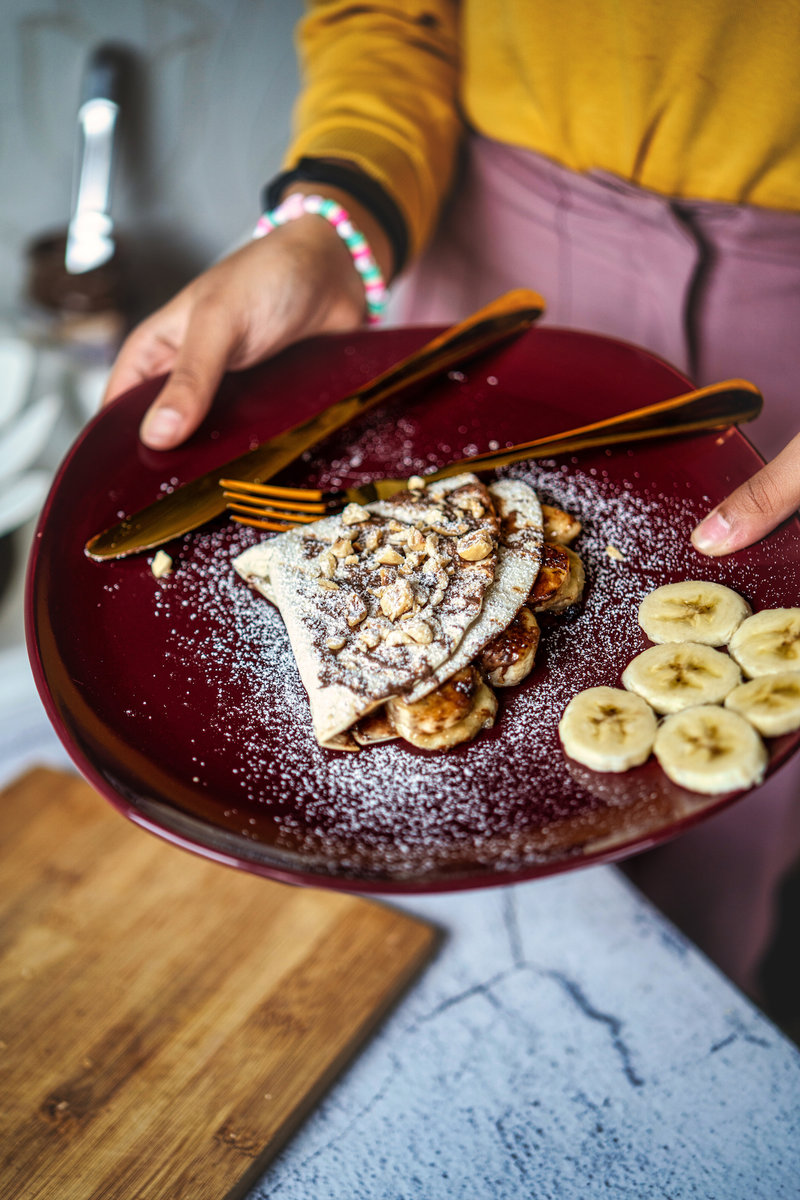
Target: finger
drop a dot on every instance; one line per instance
(755, 508)
(148, 351)
(207, 348)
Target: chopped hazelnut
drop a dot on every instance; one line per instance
(327, 564)
(397, 598)
(355, 610)
(450, 531)
(416, 483)
(328, 585)
(342, 548)
(336, 643)
(474, 546)
(470, 504)
(354, 514)
(371, 538)
(397, 637)
(389, 556)
(419, 632)
(161, 564)
(411, 562)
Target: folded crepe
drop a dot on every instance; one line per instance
(394, 598)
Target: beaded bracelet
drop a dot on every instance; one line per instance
(295, 206)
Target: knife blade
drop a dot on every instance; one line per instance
(200, 500)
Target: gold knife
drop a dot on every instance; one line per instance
(201, 499)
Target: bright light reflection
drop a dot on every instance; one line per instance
(98, 116)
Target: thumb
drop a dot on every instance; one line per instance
(755, 508)
(207, 348)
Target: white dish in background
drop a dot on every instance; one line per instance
(22, 441)
(21, 499)
(17, 363)
(90, 385)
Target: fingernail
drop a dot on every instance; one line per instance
(712, 535)
(160, 426)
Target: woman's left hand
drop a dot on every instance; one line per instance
(755, 508)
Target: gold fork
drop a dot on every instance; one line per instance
(268, 506)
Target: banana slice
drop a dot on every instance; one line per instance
(453, 713)
(509, 657)
(560, 581)
(571, 589)
(680, 675)
(771, 703)
(553, 573)
(710, 750)
(768, 642)
(559, 526)
(692, 611)
(607, 729)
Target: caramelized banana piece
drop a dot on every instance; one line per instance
(553, 573)
(374, 728)
(451, 714)
(509, 657)
(571, 589)
(560, 526)
(340, 741)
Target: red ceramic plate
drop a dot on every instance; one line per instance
(179, 699)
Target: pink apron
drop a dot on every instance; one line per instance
(715, 290)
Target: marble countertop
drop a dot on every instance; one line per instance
(566, 1042)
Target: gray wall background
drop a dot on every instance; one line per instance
(214, 82)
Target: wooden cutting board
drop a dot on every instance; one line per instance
(166, 1022)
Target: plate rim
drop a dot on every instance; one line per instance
(305, 876)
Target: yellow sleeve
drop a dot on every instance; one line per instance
(379, 90)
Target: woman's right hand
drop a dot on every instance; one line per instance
(296, 281)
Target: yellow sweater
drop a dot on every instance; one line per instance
(697, 99)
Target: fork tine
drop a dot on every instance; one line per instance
(268, 514)
(269, 489)
(277, 526)
(256, 501)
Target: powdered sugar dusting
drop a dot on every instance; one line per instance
(392, 811)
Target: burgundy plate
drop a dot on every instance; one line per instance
(179, 699)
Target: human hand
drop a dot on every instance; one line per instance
(755, 508)
(297, 281)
